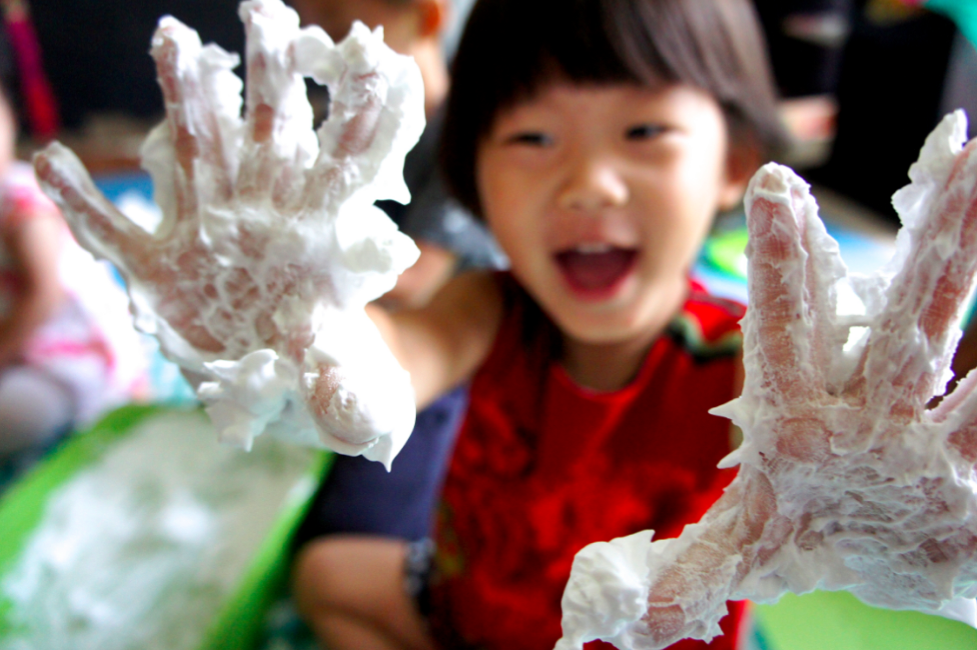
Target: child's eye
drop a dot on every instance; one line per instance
(530, 138)
(644, 131)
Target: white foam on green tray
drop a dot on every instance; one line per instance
(142, 548)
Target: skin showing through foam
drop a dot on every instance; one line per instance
(846, 478)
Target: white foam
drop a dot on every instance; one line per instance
(142, 548)
(889, 512)
(309, 204)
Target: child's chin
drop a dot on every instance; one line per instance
(600, 324)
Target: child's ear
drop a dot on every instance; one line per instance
(742, 162)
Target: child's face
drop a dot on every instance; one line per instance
(601, 196)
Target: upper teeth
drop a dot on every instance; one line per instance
(590, 248)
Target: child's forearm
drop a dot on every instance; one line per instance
(442, 344)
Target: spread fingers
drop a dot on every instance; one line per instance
(926, 298)
(188, 74)
(375, 118)
(95, 222)
(278, 136)
(779, 319)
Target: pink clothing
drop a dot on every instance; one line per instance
(89, 345)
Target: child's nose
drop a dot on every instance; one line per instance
(592, 186)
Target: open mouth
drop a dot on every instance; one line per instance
(596, 269)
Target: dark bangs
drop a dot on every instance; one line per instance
(513, 48)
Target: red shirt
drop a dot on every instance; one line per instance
(543, 467)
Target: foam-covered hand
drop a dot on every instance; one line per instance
(847, 480)
(270, 246)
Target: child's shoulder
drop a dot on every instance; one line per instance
(20, 195)
(20, 176)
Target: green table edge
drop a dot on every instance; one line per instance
(238, 623)
(21, 506)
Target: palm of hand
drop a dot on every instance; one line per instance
(847, 480)
(268, 230)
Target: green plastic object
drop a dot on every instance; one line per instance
(839, 621)
(238, 624)
(725, 251)
(22, 506)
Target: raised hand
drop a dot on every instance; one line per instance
(270, 245)
(847, 480)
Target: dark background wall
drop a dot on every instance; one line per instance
(887, 77)
(887, 73)
(96, 52)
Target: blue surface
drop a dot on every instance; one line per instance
(167, 383)
(115, 185)
(861, 253)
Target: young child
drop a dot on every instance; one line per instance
(598, 143)
(597, 138)
(67, 347)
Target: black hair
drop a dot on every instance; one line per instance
(512, 48)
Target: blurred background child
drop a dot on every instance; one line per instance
(67, 347)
